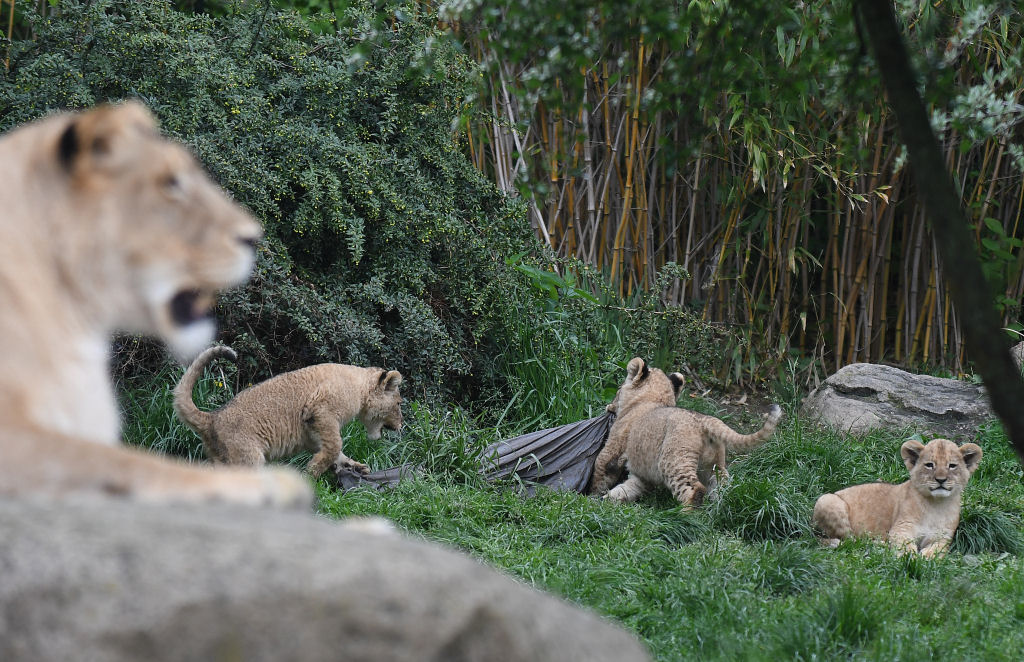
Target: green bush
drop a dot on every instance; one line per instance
(384, 245)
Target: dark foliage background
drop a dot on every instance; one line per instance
(384, 245)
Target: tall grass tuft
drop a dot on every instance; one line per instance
(787, 568)
(987, 530)
(851, 616)
(762, 508)
(677, 527)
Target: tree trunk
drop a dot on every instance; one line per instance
(989, 347)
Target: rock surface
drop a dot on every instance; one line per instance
(108, 580)
(864, 396)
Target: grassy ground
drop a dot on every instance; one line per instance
(739, 579)
(744, 578)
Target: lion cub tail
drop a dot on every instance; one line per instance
(737, 442)
(196, 419)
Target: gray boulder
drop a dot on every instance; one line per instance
(109, 580)
(864, 396)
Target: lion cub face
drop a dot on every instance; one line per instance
(383, 408)
(644, 384)
(173, 238)
(940, 469)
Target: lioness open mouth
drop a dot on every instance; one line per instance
(190, 306)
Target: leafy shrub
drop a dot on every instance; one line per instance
(384, 245)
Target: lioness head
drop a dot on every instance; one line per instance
(644, 384)
(159, 237)
(383, 408)
(940, 469)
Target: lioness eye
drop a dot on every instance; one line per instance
(171, 182)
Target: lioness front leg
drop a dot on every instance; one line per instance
(326, 428)
(58, 465)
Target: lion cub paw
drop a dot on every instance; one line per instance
(284, 488)
(349, 463)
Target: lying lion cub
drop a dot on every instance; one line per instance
(662, 444)
(105, 226)
(300, 409)
(919, 515)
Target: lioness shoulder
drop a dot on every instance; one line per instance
(918, 516)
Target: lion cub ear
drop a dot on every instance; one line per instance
(677, 382)
(636, 369)
(972, 456)
(390, 380)
(911, 451)
(89, 145)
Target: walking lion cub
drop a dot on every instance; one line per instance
(661, 444)
(304, 408)
(918, 516)
(106, 226)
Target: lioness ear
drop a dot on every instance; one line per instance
(911, 451)
(636, 368)
(390, 380)
(677, 382)
(89, 143)
(972, 456)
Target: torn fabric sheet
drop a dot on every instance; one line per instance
(561, 458)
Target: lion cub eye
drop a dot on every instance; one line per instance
(952, 465)
(929, 465)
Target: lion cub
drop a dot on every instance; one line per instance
(662, 444)
(304, 408)
(919, 515)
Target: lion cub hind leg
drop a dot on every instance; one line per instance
(629, 491)
(832, 518)
(242, 449)
(679, 467)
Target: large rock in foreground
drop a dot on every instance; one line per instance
(864, 396)
(108, 580)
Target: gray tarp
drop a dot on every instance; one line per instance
(561, 458)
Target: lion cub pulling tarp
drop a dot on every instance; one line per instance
(105, 226)
(918, 516)
(661, 444)
(302, 409)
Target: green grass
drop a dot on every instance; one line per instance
(741, 578)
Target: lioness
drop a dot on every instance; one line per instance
(662, 444)
(105, 226)
(304, 408)
(917, 516)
